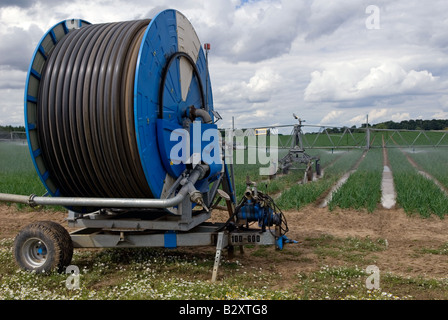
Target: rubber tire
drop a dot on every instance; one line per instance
(65, 240)
(58, 243)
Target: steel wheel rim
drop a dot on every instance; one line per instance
(34, 252)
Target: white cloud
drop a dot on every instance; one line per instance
(440, 115)
(331, 117)
(255, 31)
(398, 117)
(271, 58)
(252, 98)
(374, 116)
(380, 115)
(17, 46)
(257, 89)
(354, 80)
(443, 102)
(326, 17)
(12, 78)
(11, 107)
(262, 85)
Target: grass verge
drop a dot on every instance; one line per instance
(338, 272)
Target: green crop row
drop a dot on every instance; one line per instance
(363, 188)
(433, 161)
(300, 195)
(415, 193)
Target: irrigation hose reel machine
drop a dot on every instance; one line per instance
(102, 105)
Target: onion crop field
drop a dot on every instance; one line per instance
(417, 193)
(363, 187)
(17, 173)
(334, 165)
(420, 176)
(420, 179)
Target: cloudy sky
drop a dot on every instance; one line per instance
(330, 62)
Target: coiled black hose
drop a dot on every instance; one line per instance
(86, 115)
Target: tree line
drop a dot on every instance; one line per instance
(11, 128)
(419, 124)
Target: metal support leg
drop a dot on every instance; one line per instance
(219, 247)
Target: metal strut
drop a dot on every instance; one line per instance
(219, 248)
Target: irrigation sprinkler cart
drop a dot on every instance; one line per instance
(297, 158)
(102, 105)
(44, 246)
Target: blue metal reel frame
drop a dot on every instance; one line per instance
(167, 34)
(161, 41)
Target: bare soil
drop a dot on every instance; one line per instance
(405, 235)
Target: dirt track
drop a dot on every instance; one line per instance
(405, 236)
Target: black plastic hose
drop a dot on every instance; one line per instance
(86, 114)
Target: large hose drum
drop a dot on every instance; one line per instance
(101, 102)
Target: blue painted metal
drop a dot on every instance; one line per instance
(177, 144)
(170, 239)
(255, 211)
(281, 241)
(66, 30)
(42, 50)
(153, 135)
(53, 36)
(35, 74)
(171, 135)
(159, 43)
(33, 100)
